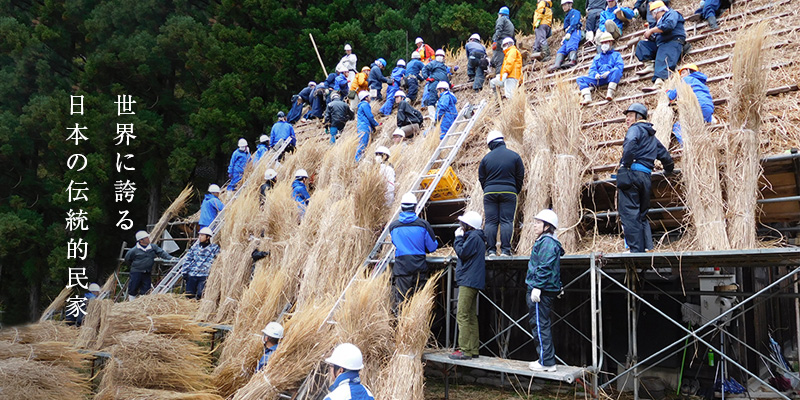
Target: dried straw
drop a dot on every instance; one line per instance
(152, 361)
(27, 379)
(178, 205)
(47, 331)
(538, 178)
(749, 88)
(563, 122)
(303, 347)
(663, 118)
(403, 378)
(158, 304)
(61, 353)
(512, 116)
(110, 286)
(96, 313)
(700, 172)
(566, 189)
(56, 305)
(132, 393)
(172, 325)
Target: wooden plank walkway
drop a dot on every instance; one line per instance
(564, 373)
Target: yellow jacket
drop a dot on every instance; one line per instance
(360, 83)
(543, 14)
(512, 63)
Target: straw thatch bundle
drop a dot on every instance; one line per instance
(173, 325)
(47, 331)
(61, 353)
(110, 285)
(512, 117)
(152, 361)
(563, 122)
(403, 378)
(96, 313)
(158, 304)
(663, 118)
(566, 189)
(178, 205)
(700, 172)
(339, 163)
(133, 393)
(306, 341)
(370, 208)
(280, 212)
(538, 178)
(749, 88)
(56, 305)
(27, 379)
(261, 304)
(742, 160)
(239, 264)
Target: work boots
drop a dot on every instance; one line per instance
(612, 91)
(589, 36)
(545, 51)
(656, 86)
(557, 63)
(432, 112)
(573, 59)
(712, 23)
(587, 96)
(649, 68)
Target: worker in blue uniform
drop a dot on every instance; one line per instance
(239, 160)
(663, 44)
(412, 238)
(572, 38)
(300, 99)
(210, 207)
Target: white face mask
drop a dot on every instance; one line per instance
(605, 47)
(378, 158)
(439, 58)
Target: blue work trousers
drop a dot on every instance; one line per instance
(139, 283)
(475, 71)
(666, 56)
(541, 328)
(363, 141)
(195, 286)
(413, 88)
(633, 201)
(387, 107)
(235, 179)
(333, 131)
(589, 81)
(710, 8)
(571, 44)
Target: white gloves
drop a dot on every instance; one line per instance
(605, 74)
(567, 36)
(504, 77)
(536, 295)
(598, 76)
(459, 232)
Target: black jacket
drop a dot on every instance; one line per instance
(641, 146)
(501, 170)
(338, 113)
(471, 264)
(407, 115)
(142, 261)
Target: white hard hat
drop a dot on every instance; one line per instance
(408, 198)
(440, 52)
(415, 54)
(300, 173)
(566, 1)
(443, 85)
(401, 62)
(263, 138)
(547, 215)
(347, 356)
(398, 132)
(477, 37)
(206, 231)
(273, 330)
(242, 143)
(362, 94)
(507, 41)
(93, 287)
(312, 83)
(400, 93)
(270, 173)
(213, 188)
(418, 40)
(347, 47)
(141, 235)
(383, 150)
(493, 135)
(472, 219)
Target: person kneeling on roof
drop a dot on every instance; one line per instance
(344, 365)
(382, 155)
(409, 119)
(470, 246)
(271, 335)
(697, 80)
(606, 69)
(197, 264)
(300, 191)
(544, 285)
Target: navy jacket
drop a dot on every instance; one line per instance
(412, 237)
(305, 94)
(641, 146)
(435, 70)
(376, 78)
(414, 67)
(475, 50)
(209, 209)
(471, 264)
(544, 267)
(501, 170)
(142, 260)
(672, 25)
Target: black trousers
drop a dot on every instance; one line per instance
(499, 209)
(633, 201)
(139, 283)
(406, 285)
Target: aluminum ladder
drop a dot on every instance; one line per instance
(168, 282)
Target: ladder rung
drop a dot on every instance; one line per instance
(446, 147)
(419, 190)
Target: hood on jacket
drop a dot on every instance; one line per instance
(648, 127)
(496, 143)
(407, 217)
(699, 76)
(297, 183)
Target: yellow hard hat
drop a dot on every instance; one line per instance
(692, 67)
(656, 4)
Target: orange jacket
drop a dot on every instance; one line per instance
(426, 53)
(512, 63)
(360, 82)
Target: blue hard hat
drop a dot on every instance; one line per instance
(382, 61)
(503, 10)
